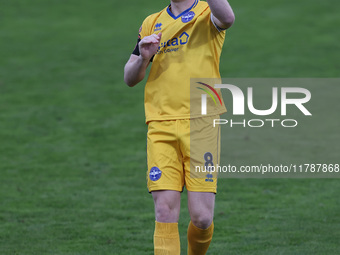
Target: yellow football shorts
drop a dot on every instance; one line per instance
(181, 152)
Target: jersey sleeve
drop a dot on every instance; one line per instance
(219, 29)
(143, 31)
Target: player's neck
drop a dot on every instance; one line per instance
(179, 6)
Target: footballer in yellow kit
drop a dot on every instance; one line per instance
(186, 40)
(187, 50)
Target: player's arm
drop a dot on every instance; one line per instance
(135, 68)
(222, 13)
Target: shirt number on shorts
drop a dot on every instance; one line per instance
(208, 157)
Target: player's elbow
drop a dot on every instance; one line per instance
(134, 71)
(129, 84)
(228, 20)
(129, 81)
(132, 81)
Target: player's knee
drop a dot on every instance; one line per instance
(165, 213)
(203, 220)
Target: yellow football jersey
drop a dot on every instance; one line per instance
(190, 47)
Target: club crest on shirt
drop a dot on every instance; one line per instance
(188, 17)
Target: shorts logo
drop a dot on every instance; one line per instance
(155, 174)
(188, 17)
(209, 178)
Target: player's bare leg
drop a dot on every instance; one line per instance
(167, 208)
(201, 208)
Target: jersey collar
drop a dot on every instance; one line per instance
(184, 12)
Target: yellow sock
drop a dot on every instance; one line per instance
(199, 239)
(166, 239)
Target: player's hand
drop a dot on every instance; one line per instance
(148, 46)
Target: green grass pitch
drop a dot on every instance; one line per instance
(72, 135)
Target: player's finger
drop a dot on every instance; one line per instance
(146, 41)
(153, 40)
(150, 39)
(149, 42)
(157, 36)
